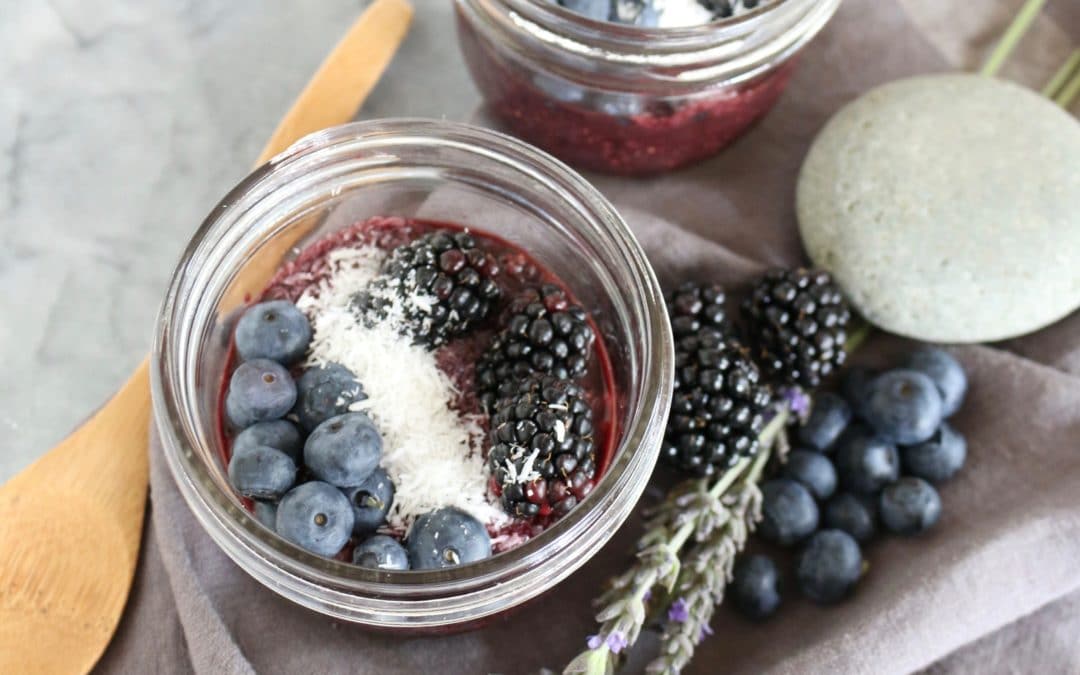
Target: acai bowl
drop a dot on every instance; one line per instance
(635, 96)
(382, 197)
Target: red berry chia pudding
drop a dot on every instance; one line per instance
(408, 394)
(620, 135)
(634, 86)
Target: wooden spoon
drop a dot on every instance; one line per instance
(71, 523)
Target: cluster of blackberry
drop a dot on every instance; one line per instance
(796, 322)
(543, 333)
(542, 454)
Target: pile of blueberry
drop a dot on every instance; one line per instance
(311, 467)
(867, 459)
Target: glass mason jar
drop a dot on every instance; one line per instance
(629, 100)
(454, 173)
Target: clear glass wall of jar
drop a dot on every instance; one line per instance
(628, 100)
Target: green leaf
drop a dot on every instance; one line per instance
(592, 662)
(671, 574)
(611, 611)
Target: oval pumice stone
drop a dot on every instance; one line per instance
(946, 207)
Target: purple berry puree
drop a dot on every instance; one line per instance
(518, 271)
(665, 134)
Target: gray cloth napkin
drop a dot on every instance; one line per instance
(994, 588)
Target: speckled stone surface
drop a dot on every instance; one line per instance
(948, 207)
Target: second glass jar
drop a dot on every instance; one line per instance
(629, 100)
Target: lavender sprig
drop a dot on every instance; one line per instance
(693, 509)
(706, 572)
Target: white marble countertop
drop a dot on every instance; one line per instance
(121, 124)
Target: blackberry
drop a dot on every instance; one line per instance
(445, 265)
(545, 333)
(718, 406)
(542, 455)
(697, 308)
(798, 323)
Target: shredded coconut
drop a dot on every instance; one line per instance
(683, 13)
(679, 13)
(431, 451)
(527, 474)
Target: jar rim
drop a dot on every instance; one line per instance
(728, 50)
(682, 37)
(332, 586)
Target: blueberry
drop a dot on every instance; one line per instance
(851, 513)
(814, 471)
(259, 390)
(371, 501)
(266, 513)
(274, 330)
(315, 516)
(947, 374)
(829, 417)
(597, 10)
(278, 434)
(755, 586)
(344, 450)
(381, 553)
(903, 406)
(447, 538)
(937, 459)
(324, 392)
(261, 472)
(829, 566)
(866, 462)
(788, 511)
(910, 506)
(856, 388)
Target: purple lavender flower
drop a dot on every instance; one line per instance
(797, 400)
(647, 596)
(616, 642)
(704, 632)
(679, 611)
(594, 642)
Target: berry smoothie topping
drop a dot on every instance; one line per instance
(259, 391)
(410, 343)
(274, 330)
(371, 501)
(545, 333)
(447, 538)
(542, 454)
(431, 450)
(442, 280)
(659, 13)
